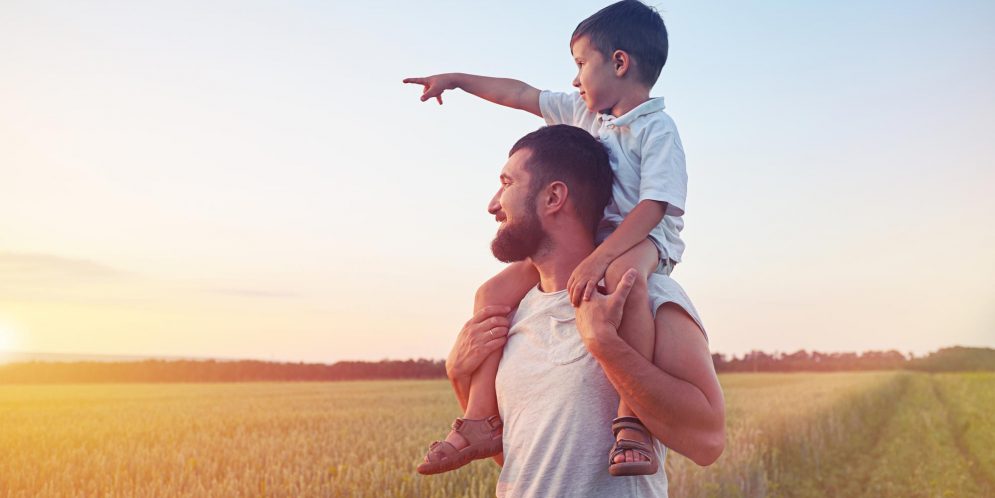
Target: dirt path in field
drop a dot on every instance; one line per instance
(842, 466)
(973, 465)
(861, 466)
(917, 452)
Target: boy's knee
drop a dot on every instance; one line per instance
(640, 290)
(490, 292)
(483, 295)
(616, 270)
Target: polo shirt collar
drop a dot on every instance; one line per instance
(648, 107)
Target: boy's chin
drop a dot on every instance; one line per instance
(593, 108)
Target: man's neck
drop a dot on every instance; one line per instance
(556, 263)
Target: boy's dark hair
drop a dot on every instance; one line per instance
(633, 27)
(573, 156)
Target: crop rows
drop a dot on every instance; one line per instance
(868, 434)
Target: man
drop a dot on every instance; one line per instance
(563, 370)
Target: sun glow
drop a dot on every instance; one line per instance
(8, 337)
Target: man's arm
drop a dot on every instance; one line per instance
(501, 91)
(485, 333)
(677, 396)
(482, 335)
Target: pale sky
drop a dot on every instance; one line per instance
(251, 179)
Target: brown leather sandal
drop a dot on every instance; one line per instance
(641, 468)
(482, 443)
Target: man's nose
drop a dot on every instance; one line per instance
(576, 81)
(494, 206)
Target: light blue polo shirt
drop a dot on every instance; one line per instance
(646, 156)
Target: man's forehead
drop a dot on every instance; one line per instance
(515, 166)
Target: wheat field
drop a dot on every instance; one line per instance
(852, 434)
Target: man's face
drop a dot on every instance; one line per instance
(520, 234)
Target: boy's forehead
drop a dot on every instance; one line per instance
(580, 46)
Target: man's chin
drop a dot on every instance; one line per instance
(517, 241)
(506, 254)
(510, 249)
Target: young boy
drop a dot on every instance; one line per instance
(619, 52)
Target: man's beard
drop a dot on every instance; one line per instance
(519, 240)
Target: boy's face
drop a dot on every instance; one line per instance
(596, 79)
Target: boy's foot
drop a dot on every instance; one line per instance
(469, 440)
(632, 454)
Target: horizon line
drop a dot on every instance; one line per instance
(8, 356)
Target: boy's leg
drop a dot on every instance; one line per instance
(637, 328)
(506, 288)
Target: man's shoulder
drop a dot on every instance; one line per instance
(663, 289)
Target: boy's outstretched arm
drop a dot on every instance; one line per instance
(502, 91)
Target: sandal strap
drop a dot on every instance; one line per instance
(621, 445)
(494, 421)
(477, 430)
(441, 450)
(629, 423)
(628, 444)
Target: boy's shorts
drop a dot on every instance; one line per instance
(666, 265)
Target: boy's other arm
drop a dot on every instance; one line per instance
(501, 91)
(635, 227)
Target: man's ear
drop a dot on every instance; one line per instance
(555, 197)
(621, 62)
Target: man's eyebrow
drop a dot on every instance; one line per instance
(504, 176)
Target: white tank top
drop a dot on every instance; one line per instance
(557, 407)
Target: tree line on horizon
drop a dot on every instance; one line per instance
(956, 358)
(40, 372)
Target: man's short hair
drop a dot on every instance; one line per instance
(633, 27)
(573, 156)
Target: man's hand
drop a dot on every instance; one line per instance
(598, 319)
(584, 279)
(434, 85)
(484, 334)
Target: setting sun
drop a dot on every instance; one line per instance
(8, 337)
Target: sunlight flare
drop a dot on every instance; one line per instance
(8, 337)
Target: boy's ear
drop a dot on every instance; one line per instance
(621, 62)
